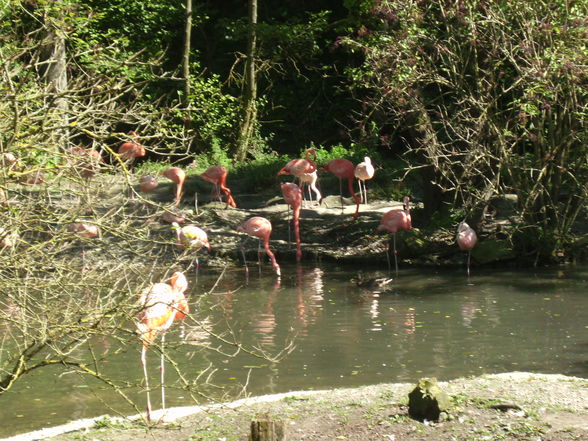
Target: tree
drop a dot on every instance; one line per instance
(486, 99)
(249, 109)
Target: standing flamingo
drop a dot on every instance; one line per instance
(300, 166)
(161, 305)
(217, 175)
(466, 240)
(344, 169)
(85, 161)
(364, 171)
(86, 231)
(393, 221)
(309, 180)
(261, 228)
(178, 176)
(131, 150)
(293, 197)
(191, 238)
(148, 183)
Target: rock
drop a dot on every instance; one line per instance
(427, 401)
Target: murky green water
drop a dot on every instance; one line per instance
(430, 323)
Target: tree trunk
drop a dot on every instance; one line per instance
(55, 76)
(186, 74)
(249, 120)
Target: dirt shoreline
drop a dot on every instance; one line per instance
(511, 406)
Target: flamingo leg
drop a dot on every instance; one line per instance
(289, 234)
(244, 259)
(469, 255)
(144, 364)
(341, 193)
(162, 371)
(395, 253)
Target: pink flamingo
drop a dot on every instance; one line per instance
(293, 197)
(344, 169)
(161, 304)
(86, 161)
(298, 167)
(148, 183)
(217, 175)
(131, 150)
(191, 238)
(86, 231)
(364, 171)
(466, 239)
(261, 228)
(178, 176)
(393, 221)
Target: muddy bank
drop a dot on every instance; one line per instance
(513, 406)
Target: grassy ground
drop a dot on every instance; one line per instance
(506, 407)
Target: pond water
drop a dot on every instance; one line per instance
(429, 322)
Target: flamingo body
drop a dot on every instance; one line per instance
(466, 237)
(217, 175)
(309, 180)
(131, 150)
(261, 228)
(83, 229)
(344, 169)
(85, 161)
(191, 237)
(300, 166)
(178, 176)
(148, 183)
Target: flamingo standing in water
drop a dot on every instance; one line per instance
(393, 221)
(293, 197)
(131, 150)
(217, 175)
(178, 176)
(466, 240)
(162, 304)
(261, 228)
(364, 171)
(344, 169)
(191, 238)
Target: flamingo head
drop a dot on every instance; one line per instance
(179, 282)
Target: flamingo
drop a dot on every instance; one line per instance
(191, 238)
(161, 304)
(148, 183)
(178, 176)
(466, 239)
(86, 231)
(298, 167)
(173, 216)
(261, 228)
(309, 180)
(364, 171)
(344, 169)
(293, 197)
(131, 150)
(393, 221)
(86, 161)
(217, 175)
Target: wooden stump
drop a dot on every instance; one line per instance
(266, 429)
